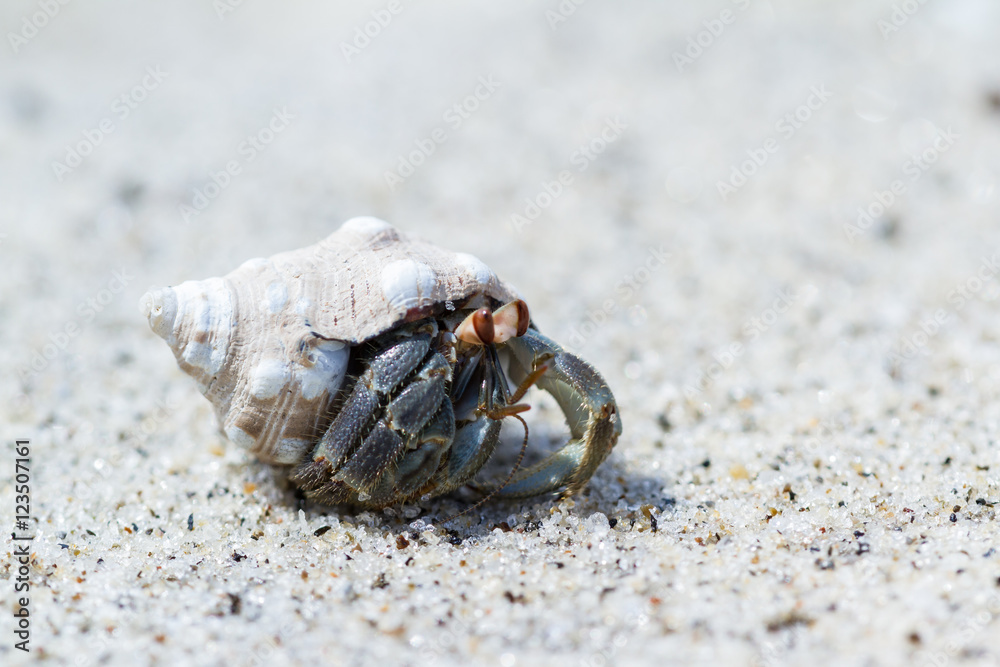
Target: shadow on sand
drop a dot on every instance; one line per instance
(622, 496)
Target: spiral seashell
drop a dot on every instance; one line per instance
(269, 343)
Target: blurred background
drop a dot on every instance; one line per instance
(770, 224)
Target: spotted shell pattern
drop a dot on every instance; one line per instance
(269, 343)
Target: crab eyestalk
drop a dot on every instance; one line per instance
(478, 328)
(488, 329)
(485, 327)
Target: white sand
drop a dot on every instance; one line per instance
(818, 499)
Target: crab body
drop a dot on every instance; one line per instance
(381, 367)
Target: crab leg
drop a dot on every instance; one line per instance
(424, 454)
(356, 461)
(385, 373)
(590, 411)
(473, 445)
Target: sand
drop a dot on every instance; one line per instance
(770, 225)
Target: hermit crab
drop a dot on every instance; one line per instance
(381, 367)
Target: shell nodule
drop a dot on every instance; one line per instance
(269, 343)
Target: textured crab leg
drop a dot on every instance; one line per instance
(405, 417)
(474, 444)
(385, 373)
(423, 456)
(364, 469)
(590, 411)
(368, 477)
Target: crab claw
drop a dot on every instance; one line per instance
(589, 407)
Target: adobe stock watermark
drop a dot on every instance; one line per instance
(703, 40)
(94, 650)
(628, 286)
(606, 655)
(432, 649)
(364, 34)
(913, 168)
(752, 329)
(563, 11)
(262, 652)
(958, 297)
(247, 151)
(59, 339)
(582, 158)
(775, 653)
(786, 127)
(33, 24)
(95, 477)
(900, 16)
(121, 108)
(971, 627)
(454, 116)
(224, 7)
(818, 444)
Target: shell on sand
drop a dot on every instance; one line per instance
(269, 343)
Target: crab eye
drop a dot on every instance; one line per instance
(511, 320)
(477, 328)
